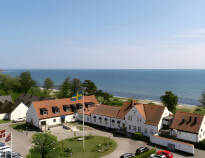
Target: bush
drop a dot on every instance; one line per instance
(138, 136)
(200, 145)
(146, 154)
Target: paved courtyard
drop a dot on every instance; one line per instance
(22, 141)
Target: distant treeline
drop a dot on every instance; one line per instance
(24, 84)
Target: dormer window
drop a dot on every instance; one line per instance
(66, 108)
(55, 109)
(89, 104)
(79, 106)
(43, 111)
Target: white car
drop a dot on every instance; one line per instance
(157, 156)
(5, 148)
(19, 120)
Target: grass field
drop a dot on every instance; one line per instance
(4, 121)
(23, 127)
(95, 146)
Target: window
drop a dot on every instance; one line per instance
(145, 130)
(54, 120)
(100, 119)
(105, 120)
(130, 127)
(134, 128)
(43, 122)
(45, 112)
(139, 129)
(87, 118)
(113, 122)
(151, 131)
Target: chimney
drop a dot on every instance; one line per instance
(189, 121)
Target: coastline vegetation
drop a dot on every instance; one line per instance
(24, 84)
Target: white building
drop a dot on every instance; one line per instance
(188, 126)
(19, 112)
(145, 118)
(49, 113)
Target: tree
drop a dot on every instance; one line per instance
(8, 84)
(76, 85)
(45, 145)
(65, 89)
(26, 82)
(89, 87)
(170, 100)
(48, 84)
(202, 101)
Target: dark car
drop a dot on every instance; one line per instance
(127, 155)
(141, 150)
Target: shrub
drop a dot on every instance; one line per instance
(146, 154)
(200, 145)
(137, 136)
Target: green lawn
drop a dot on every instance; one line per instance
(95, 146)
(4, 121)
(23, 127)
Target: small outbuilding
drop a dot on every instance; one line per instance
(19, 113)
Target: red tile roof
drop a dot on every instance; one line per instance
(125, 108)
(87, 111)
(48, 104)
(153, 114)
(106, 110)
(184, 121)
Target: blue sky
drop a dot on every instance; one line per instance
(106, 34)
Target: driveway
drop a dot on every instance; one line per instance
(125, 145)
(21, 142)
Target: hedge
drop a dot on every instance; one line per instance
(146, 154)
(137, 136)
(200, 145)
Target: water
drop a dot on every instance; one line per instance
(142, 84)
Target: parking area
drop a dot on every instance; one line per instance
(22, 141)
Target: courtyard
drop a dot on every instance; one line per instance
(22, 140)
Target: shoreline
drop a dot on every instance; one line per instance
(179, 106)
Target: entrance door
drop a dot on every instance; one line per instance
(171, 147)
(62, 119)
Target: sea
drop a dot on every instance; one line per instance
(148, 84)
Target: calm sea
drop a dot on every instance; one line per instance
(142, 84)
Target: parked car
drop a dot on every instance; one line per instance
(127, 155)
(157, 156)
(16, 155)
(141, 150)
(2, 144)
(19, 120)
(166, 153)
(5, 148)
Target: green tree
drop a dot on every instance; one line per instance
(48, 84)
(45, 145)
(89, 87)
(26, 82)
(9, 84)
(76, 85)
(65, 89)
(202, 100)
(170, 100)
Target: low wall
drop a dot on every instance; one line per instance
(172, 144)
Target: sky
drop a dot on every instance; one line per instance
(102, 34)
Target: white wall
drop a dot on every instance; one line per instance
(164, 114)
(71, 118)
(201, 134)
(4, 116)
(187, 136)
(19, 112)
(189, 148)
(32, 117)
